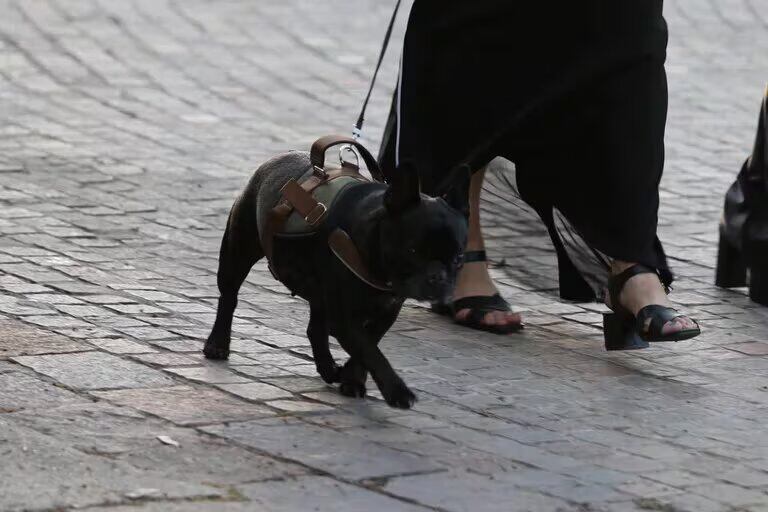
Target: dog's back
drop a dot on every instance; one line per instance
(265, 184)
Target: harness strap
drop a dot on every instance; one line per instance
(344, 248)
(323, 144)
(303, 202)
(278, 215)
(299, 196)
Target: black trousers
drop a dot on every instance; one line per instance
(574, 93)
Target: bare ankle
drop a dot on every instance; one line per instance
(474, 245)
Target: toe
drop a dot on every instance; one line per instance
(507, 318)
(492, 319)
(500, 319)
(678, 325)
(514, 318)
(671, 327)
(689, 323)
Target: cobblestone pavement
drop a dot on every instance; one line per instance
(127, 129)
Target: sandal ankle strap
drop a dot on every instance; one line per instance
(475, 256)
(616, 283)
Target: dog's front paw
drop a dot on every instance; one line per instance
(352, 389)
(400, 396)
(330, 374)
(216, 350)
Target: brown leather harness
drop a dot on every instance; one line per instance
(298, 197)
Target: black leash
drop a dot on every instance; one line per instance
(357, 131)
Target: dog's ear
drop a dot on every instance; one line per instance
(404, 189)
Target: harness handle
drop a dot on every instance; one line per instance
(321, 145)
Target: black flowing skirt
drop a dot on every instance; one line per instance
(574, 93)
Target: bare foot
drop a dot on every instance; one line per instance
(646, 289)
(473, 280)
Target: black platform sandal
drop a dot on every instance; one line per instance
(733, 265)
(478, 306)
(623, 331)
(744, 225)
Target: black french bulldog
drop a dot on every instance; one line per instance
(412, 242)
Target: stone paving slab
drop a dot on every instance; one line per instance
(41, 473)
(187, 405)
(94, 370)
(128, 437)
(325, 450)
(323, 493)
(128, 129)
(28, 340)
(19, 391)
(183, 506)
(467, 493)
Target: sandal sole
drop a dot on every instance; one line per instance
(447, 310)
(678, 336)
(501, 331)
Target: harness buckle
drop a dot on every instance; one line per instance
(316, 215)
(319, 172)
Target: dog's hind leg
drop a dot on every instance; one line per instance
(317, 332)
(240, 250)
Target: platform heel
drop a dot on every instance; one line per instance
(621, 334)
(731, 269)
(745, 218)
(758, 273)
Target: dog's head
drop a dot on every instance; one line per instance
(422, 240)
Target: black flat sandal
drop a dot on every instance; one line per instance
(623, 331)
(478, 306)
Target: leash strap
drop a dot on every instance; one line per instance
(357, 131)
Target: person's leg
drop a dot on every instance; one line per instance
(473, 279)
